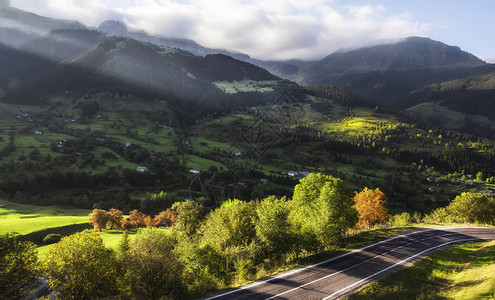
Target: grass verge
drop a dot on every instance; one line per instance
(462, 272)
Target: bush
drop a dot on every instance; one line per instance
(152, 270)
(52, 238)
(438, 216)
(473, 208)
(81, 267)
(403, 219)
(245, 269)
(18, 261)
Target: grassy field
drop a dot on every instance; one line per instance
(245, 86)
(448, 118)
(462, 272)
(24, 219)
(111, 239)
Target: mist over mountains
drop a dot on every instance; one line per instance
(398, 75)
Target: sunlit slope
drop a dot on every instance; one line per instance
(24, 219)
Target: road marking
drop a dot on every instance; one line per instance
(353, 266)
(399, 263)
(332, 259)
(317, 264)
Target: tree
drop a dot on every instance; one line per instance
(480, 176)
(99, 219)
(137, 219)
(115, 218)
(473, 207)
(166, 218)
(371, 207)
(18, 271)
(322, 210)
(189, 218)
(337, 213)
(232, 225)
(81, 267)
(151, 267)
(273, 227)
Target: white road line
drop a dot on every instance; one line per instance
(353, 266)
(331, 259)
(399, 263)
(315, 265)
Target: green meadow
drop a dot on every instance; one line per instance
(24, 219)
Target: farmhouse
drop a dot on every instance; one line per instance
(293, 173)
(141, 169)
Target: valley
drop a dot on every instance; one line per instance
(212, 168)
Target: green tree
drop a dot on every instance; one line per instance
(204, 267)
(18, 267)
(480, 176)
(473, 208)
(231, 225)
(337, 213)
(322, 210)
(151, 268)
(273, 227)
(189, 218)
(81, 267)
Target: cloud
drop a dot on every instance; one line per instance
(488, 59)
(274, 29)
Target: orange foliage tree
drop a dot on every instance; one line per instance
(371, 207)
(166, 218)
(137, 219)
(115, 218)
(99, 219)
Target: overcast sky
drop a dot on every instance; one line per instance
(286, 29)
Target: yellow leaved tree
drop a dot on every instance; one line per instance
(371, 207)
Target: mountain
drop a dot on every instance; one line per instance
(387, 73)
(282, 69)
(27, 61)
(119, 65)
(18, 27)
(61, 44)
(465, 104)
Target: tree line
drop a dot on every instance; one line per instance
(201, 252)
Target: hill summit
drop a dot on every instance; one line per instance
(388, 73)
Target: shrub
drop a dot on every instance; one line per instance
(403, 219)
(18, 261)
(81, 267)
(438, 216)
(52, 238)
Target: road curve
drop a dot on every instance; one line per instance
(341, 275)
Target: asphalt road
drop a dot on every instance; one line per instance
(344, 274)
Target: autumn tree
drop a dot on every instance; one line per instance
(18, 267)
(99, 219)
(115, 218)
(81, 267)
(137, 219)
(166, 218)
(371, 205)
(149, 221)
